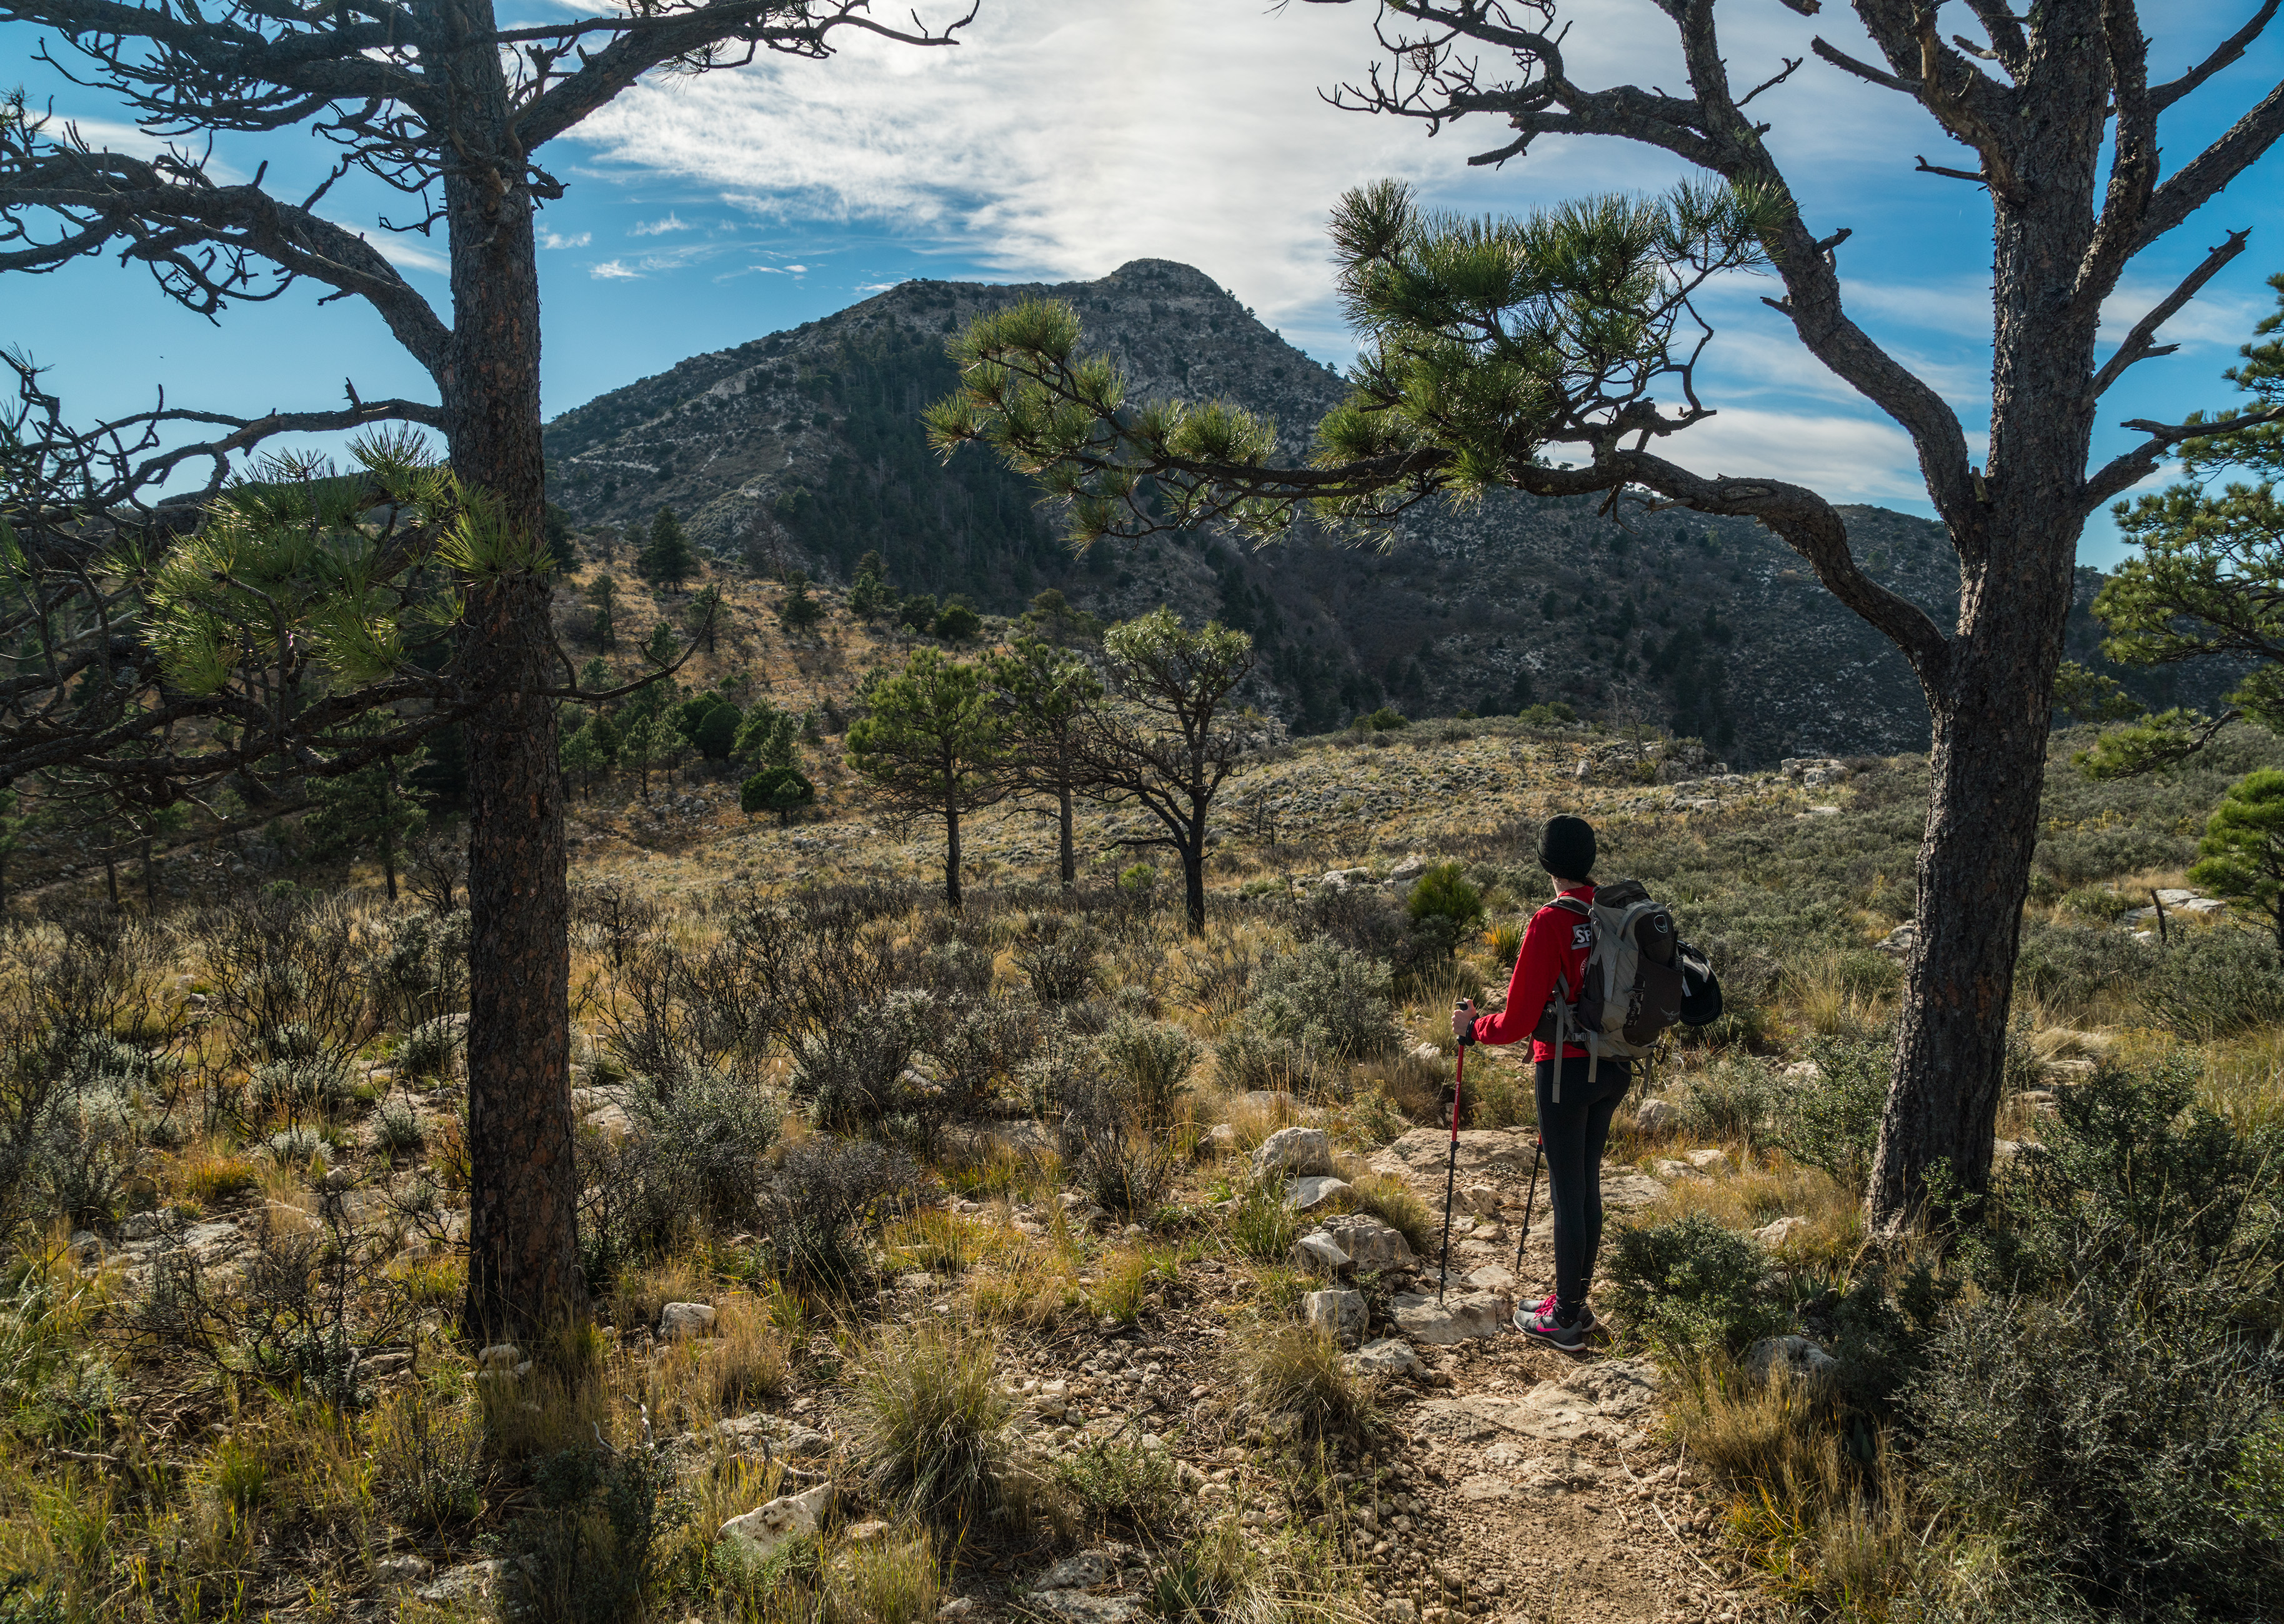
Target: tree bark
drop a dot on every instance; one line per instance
(1991, 704)
(1066, 850)
(523, 1253)
(1193, 847)
(951, 854)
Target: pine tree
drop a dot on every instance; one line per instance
(555, 530)
(666, 559)
(603, 592)
(1043, 692)
(662, 647)
(931, 747)
(869, 596)
(783, 790)
(584, 761)
(799, 611)
(2241, 856)
(1489, 344)
(434, 97)
(706, 613)
(372, 811)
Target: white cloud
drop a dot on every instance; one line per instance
(557, 239)
(405, 253)
(1844, 458)
(659, 228)
(611, 270)
(113, 136)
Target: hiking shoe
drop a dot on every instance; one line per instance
(1546, 1305)
(1549, 1329)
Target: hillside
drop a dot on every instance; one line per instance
(803, 449)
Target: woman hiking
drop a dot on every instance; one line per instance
(1574, 1122)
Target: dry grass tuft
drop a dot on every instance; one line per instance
(1293, 1377)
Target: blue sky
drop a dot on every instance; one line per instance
(1063, 137)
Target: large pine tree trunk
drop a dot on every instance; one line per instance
(523, 1255)
(951, 898)
(1066, 846)
(1992, 706)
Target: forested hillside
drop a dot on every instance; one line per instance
(803, 450)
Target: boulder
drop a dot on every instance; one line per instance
(1293, 1152)
(1340, 1312)
(781, 1522)
(1420, 1155)
(1709, 1162)
(1808, 1362)
(1320, 1254)
(1669, 1170)
(1482, 1200)
(1388, 1356)
(1302, 1194)
(1656, 1116)
(1774, 1236)
(1460, 1319)
(1222, 1137)
(678, 1321)
(468, 1583)
(1410, 869)
(1082, 1571)
(1368, 1242)
(1491, 1277)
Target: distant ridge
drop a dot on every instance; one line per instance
(805, 448)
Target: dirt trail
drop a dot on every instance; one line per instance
(1550, 1490)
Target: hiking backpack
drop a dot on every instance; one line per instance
(1639, 979)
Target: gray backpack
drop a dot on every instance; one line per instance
(1633, 980)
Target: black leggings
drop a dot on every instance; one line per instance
(1574, 1131)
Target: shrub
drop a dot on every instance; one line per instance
(1327, 997)
(428, 1462)
(397, 1130)
(2214, 983)
(1060, 957)
(702, 1141)
(588, 1554)
(1113, 1478)
(1120, 1165)
(431, 1049)
(1830, 1120)
(1152, 1060)
(1732, 1098)
(1246, 1062)
(854, 1072)
(1443, 893)
(1688, 1286)
(1294, 1372)
(2071, 965)
(2121, 1355)
(932, 1436)
(822, 1198)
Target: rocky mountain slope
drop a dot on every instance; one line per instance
(803, 449)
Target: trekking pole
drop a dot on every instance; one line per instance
(1529, 1203)
(1450, 1174)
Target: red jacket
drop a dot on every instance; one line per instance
(1554, 945)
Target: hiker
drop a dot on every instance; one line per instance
(1574, 1121)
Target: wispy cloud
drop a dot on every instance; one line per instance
(405, 253)
(657, 261)
(557, 239)
(115, 136)
(659, 228)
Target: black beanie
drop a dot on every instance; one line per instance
(1566, 847)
